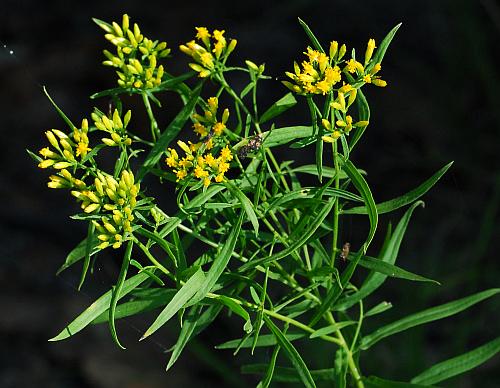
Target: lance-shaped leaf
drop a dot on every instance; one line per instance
(246, 204)
(382, 48)
(425, 316)
(292, 354)
(180, 299)
(457, 365)
(98, 307)
(280, 106)
(169, 134)
(377, 382)
(411, 196)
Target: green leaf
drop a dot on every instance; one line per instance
(264, 340)
(220, 262)
(89, 247)
(116, 290)
(411, 196)
(288, 375)
(392, 270)
(268, 376)
(331, 328)
(377, 382)
(363, 188)
(246, 204)
(78, 253)
(203, 197)
(298, 239)
(279, 136)
(187, 330)
(425, 316)
(185, 293)
(363, 113)
(376, 279)
(61, 113)
(328, 172)
(312, 38)
(292, 354)
(382, 48)
(98, 307)
(169, 134)
(458, 365)
(378, 309)
(237, 309)
(280, 106)
(160, 298)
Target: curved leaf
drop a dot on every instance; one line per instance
(280, 106)
(457, 365)
(425, 316)
(396, 203)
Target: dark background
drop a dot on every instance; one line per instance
(441, 104)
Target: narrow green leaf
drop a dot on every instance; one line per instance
(328, 172)
(265, 340)
(364, 115)
(169, 134)
(116, 290)
(246, 204)
(187, 330)
(89, 246)
(288, 375)
(268, 376)
(185, 293)
(458, 365)
(411, 196)
(237, 309)
(98, 307)
(220, 262)
(312, 38)
(363, 188)
(376, 279)
(78, 253)
(203, 197)
(298, 239)
(331, 328)
(292, 354)
(378, 309)
(134, 307)
(280, 106)
(61, 113)
(280, 136)
(392, 270)
(377, 382)
(378, 56)
(425, 316)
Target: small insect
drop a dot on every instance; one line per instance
(254, 143)
(344, 253)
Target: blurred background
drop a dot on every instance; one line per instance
(441, 104)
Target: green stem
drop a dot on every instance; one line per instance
(336, 206)
(155, 131)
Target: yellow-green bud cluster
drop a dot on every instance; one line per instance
(65, 149)
(116, 201)
(210, 53)
(114, 126)
(136, 57)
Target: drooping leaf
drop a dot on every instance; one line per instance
(458, 365)
(411, 196)
(425, 316)
(292, 354)
(98, 307)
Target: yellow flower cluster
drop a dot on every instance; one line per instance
(339, 107)
(136, 57)
(66, 148)
(212, 51)
(207, 126)
(204, 167)
(116, 127)
(116, 200)
(318, 74)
